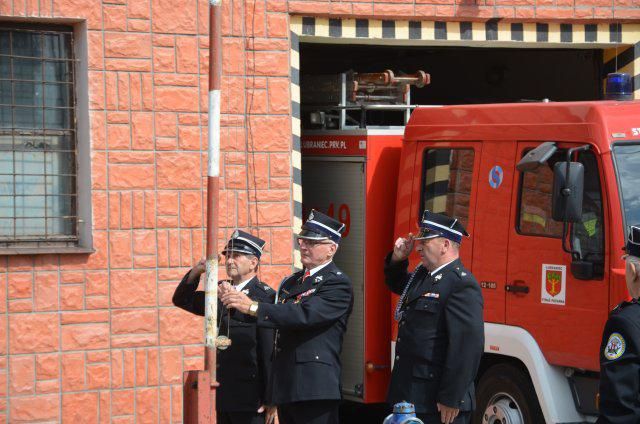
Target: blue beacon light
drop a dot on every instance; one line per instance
(619, 87)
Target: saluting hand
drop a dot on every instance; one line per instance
(198, 269)
(402, 248)
(447, 414)
(237, 300)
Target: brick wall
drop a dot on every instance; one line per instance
(94, 338)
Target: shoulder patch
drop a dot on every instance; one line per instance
(615, 346)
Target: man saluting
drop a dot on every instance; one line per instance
(311, 319)
(440, 324)
(244, 367)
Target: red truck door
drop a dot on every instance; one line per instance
(491, 229)
(565, 315)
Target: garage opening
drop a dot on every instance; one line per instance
(350, 155)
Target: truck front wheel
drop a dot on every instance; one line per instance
(506, 396)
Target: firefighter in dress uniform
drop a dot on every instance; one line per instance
(620, 349)
(244, 367)
(310, 317)
(440, 323)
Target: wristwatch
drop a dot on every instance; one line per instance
(253, 309)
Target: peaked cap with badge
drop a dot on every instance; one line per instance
(245, 243)
(321, 227)
(632, 248)
(440, 329)
(434, 225)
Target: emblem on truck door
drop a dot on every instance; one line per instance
(553, 284)
(495, 176)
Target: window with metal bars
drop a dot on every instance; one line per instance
(38, 190)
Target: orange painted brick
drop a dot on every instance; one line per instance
(280, 164)
(129, 368)
(47, 386)
(98, 356)
(135, 92)
(111, 90)
(176, 403)
(233, 57)
(257, 101)
(185, 248)
(22, 375)
(187, 54)
(126, 204)
(80, 407)
(84, 317)
(128, 65)
(118, 136)
(233, 95)
(147, 91)
(281, 246)
(46, 291)
(105, 407)
(268, 63)
(72, 277)
(120, 249)
(96, 90)
(134, 340)
(142, 130)
(20, 263)
(97, 283)
(147, 401)
(98, 376)
(98, 129)
(170, 366)
(127, 45)
(139, 9)
(99, 172)
(193, 363)
(71, 297)
(117, 362)
(168, 202)
(189, 138)
(179, 327)
(115, 17)
(132, 288)
(33, 333)
(138, 209)
(144, 242)
(279, 99)
(172, 170)
(165, 404)
(90, 10)
(183, 80)
(122, 402)
(3, 294)
(73, 378)
(20, 305)
(138, 25)
(191, 209)
(47, 366)
(278, 129)
(183, 99)
(20, 285)
(163, 248)
(164, 59)
(152, 367)
(131, 176)
(123, 91)
(21, 408)
(278, 25)
(134, 321)
(266, 44)
(174, 16)
(235, 177)
(85, 336)
(308, 7)
(174, 248)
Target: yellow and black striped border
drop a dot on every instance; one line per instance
(620, 44)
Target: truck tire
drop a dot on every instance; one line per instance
(505, 395)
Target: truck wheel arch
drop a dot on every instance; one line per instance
(516, 346)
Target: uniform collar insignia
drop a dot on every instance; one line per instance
(438, 277)
(318, 279)
(463, 273)
(245, 291)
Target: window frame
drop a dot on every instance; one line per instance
(82, 242)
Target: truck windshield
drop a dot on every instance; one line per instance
(627, 159)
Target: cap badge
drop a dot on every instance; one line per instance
(311, 215)
(235, 234)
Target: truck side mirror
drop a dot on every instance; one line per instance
(567, 192)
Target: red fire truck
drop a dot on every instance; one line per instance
(546, 191)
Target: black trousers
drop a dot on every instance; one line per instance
(239, 417)
(309, 412)
(462, 418)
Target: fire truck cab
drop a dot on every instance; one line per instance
(546, 191)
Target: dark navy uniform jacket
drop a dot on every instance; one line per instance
(311, 319)
(620, 366)
(243, 369)
(440, 337)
